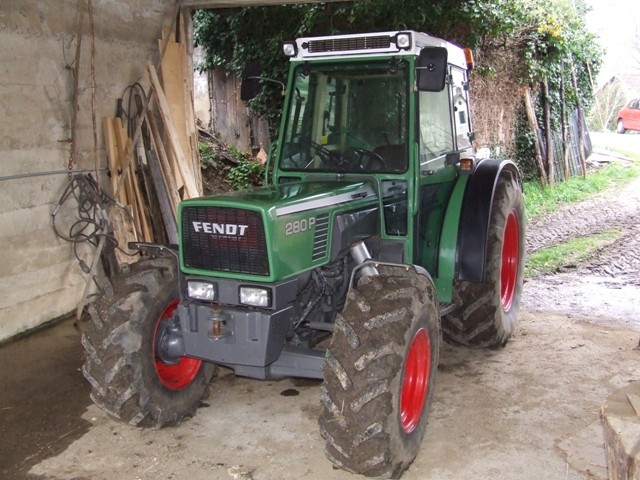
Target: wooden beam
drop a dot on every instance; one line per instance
(174, 141)
(124, 232)
(165, 166)
(173, 88)
(244, 3)
(112, 158)
(168, 215)
(124, 145)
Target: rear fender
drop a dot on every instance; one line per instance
(475, 216)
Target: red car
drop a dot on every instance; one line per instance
(629, 116)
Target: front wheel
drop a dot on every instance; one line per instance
(128, 380)
(380, 373)
(488, 311)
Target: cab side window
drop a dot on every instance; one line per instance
(460, 104)
(436, 129)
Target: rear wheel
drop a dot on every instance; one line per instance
(380, 373)
(128, 381)
(488, 311)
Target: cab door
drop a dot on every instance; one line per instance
(436, 132)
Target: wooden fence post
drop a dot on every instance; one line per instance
(548, 133)
(581, 153)
(533, 122)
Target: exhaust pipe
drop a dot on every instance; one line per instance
(360, 254)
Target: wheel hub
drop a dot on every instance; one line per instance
(510, 260)
(415, 383)
(175, 373)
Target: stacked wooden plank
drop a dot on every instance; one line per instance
(164, 166)
(132, 224)
(174, 98)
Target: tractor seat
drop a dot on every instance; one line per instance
(394, 156)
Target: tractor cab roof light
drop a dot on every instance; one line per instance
(290, 49)
(403, 40)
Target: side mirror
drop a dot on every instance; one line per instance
(250, 86)
(432, 69)
(453, 158)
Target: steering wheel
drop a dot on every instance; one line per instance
(323, 152)
(328, 157)
(369, 160)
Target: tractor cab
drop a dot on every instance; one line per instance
(354, 105)
(391, 109)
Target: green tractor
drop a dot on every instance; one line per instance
(378, 232)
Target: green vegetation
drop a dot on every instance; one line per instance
(247, 174)
(567, 254)
(207, 155)
(539, 201)
(543, 39)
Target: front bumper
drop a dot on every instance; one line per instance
(242, 337)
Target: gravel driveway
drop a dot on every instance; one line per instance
(606, 288)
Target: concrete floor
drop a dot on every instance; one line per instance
(525, 412)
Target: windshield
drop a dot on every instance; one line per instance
(348, 119)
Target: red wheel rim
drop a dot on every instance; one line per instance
(510, 260)
(415, 383)
(179, 376)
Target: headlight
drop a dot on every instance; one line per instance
(403, 40)
(290, 49)
(201, 291)
(254, 296)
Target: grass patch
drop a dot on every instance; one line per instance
(565, 254)
(540, 201)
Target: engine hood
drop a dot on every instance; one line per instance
(291, 198)
(278, 231)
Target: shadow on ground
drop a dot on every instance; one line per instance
(42, 398)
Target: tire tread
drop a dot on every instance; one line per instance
(359, 399)
(113, 341)
(480, 321)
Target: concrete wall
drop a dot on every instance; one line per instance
(40, 278)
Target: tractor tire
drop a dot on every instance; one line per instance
(379, 374)
(128, 381)
(488, 311)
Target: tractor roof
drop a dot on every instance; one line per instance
(396, 43)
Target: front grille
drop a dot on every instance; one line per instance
(224, 239)
(347, 44)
